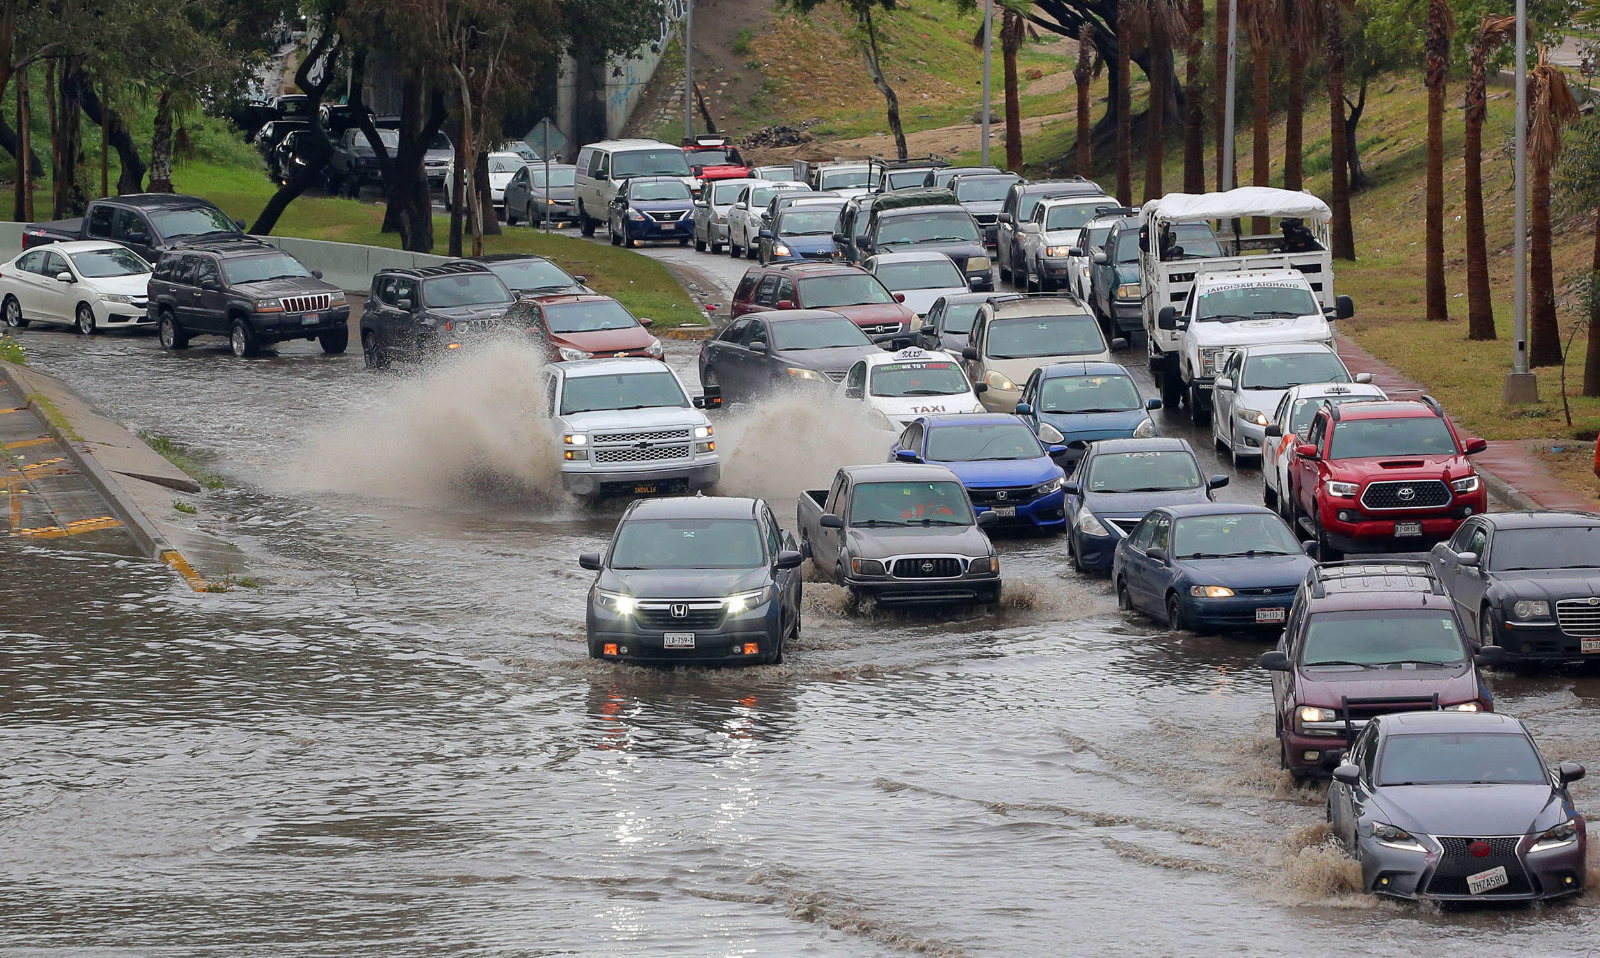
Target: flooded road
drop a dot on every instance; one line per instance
(398, 744)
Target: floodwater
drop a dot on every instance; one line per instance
(398, 746)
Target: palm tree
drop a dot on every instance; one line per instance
(1221, 105)
(1012, 28)
(1492, 31)
(1440, 25)
(1343, 234)
(1164, 23)
(1126, 15)
(1087, 68)
(1304, 30)
(1265, 30)
(1194, 126)
(1552, 105)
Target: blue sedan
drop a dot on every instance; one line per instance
(1118, 482)
(998, 458)
(650, 208)
(1210, 567)
(1084, 403)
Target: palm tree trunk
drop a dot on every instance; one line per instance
(1438, 62)
(1260, 113)
(1011, 31)
(1082, 74)
(1294, 125)
(869, 52)
(1124, 107)
(1480, 305)
(1155, 127)
(1591, 362)
(1544, 330)
(1343, 235)
(1221, 88)
(161, 145)
(1194, 126)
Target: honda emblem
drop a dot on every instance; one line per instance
(1002, 494)
(679, 610)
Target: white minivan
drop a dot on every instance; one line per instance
(603, 166)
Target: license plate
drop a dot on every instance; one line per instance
(1005, 512)
(1408, 528)
(644, 488)
(309, 319)
(685, 640)
(1590, 645)
(1488, 881)
(1269, 615)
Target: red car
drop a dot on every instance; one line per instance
(847, 290)
(1384, 477)
(578, 326)
(714, 158)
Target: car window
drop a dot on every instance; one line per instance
(255, 269)
(466, 289)
(822, 333)
(746, 289)
(205, 272)
(183, 271)
(1286, 370)
(928, 274)
(1160, 538)
(767, 292)
(688, 544)
(126, 223)
(912, 437)
(1144, 532)
(405, 288)
(911, 379)
(1571, 547)
(1388, 438)
(1155, 471)
(849, 289)
(1069, 216)
(640, 390)
(602, 166)
(855, 380)
(118, 261)
(903, 503)
(658, 162)
(1458, 542)
(1319, 427)
(774, 538)
(785, 290)
(735, 331)
(588, 316)
(382, 288)
(757, 333)
(55, 264)
(1036, 336)
(1255, 300)
(100, 220)
(1088, 394)
(32, 262)
(983, 441)
(1225, 536)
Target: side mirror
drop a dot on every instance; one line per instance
(143, 239)
(1152, 404)
(646, 321)
(969, 353)
(786, 304)
(1119, 343)
(1167, 319)
(708, 402)
(1490, 655)
(1274, 431)
(765, 234)
(1570, 772)
(975, 281)
(1344, 307)
(316, 274)
(840, 238)
(1275, 661)
(1216, 482)
(63, 277)
(1363, 378)
(759, 347)
(1157, 553)
(1072, 488)
(1468, 560)
(1475, 446)
(928, 329)
(1306, 450)
(987, 519)
(1310, 548)
(1075, 251)
(899, 297)
(1024, 409)
(830, 521)
(580, 280)
(907, 455)
(1222, 382)
(590, 561)
(1098, 257)
(979, 389)
(403, 303)
(1058, 450)
(864, 241)
(240, 224)
(1348, 774)
(789, 559)
(697, 170)
(1007, 219)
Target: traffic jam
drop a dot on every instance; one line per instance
(1035, 359)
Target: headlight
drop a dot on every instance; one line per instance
(1252, 416)
(1463, 707)
(615, 602)
(1531, 609)
(1559, 837)
(866, 566)
(997, 381)
(780, 250)
(1045, 488)
(1089, 525)
(1342, 490)
(654, 349)
(1211, 591)
(269, 306)
(635, 215)
(746, 601)
(1391, 837)
(811, 375)
(116, 298)
(721, 220)
(1468, 484)
(575, 439)
(1212, 358)
(1308, 713)
(1056, 251)
(336, 299)
(1145, 430)
(703, 432)
(977, 264)
(571, 355)
(1128, 291)
(983, 566)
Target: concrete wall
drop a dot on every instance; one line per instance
(623, 84)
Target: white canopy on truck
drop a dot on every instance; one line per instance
(1243, 202)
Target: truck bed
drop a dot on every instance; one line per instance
(53, 231)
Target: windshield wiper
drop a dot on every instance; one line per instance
(874, 523)
(1437, 665)
(925, 392)
(1275, 312)
(1364, 665)
(1074, 412)
(1149, 489)
(1202, 555)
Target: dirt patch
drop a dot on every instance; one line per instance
(1572, 462)
(726, 67)
(944, 141)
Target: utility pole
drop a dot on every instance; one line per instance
(1227, 122)
(688, 70)
(1521, 385)
(988, 36)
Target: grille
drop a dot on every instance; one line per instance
(1450, 877)
(669, 216)
(1287, 591)
(641, 436)
(302, 304)
(1124, 526)
(880, 328)
(987, 219)
(697, 615)
(927, 568)
(1578, 617)
(636, 454)
(1006, 496)
(837, 377)
(1425, 494)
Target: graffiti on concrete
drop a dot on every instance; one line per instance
(626, 82)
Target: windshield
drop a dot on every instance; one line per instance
(727, 194)
(1044, 336)
(1286, 370)
(688, 544)
(807, 222)
(531, 274)
(906, 179)
(983, 189)
(1197, 240)
(1460, 758)
(1392, 438)
(101, 263)
(947, 227)
(505, 164)
(1070, 217)
(958, 317)
(1223, 537)
(907, 503)
(1563, 547)
(978, 442)
(728, 157)
(929, 274)
(1070, 394)
(1096, 237)
(622, 391)
(558, 177)
(898, 380)
(760, 196)
(663, 162)
(255, 269)
(440, 142)
(195, 221)
(1382, 638)
(389, 138)
(467, 289)
(1306, 409)
(1157, 471)
(1282, 300)
(660, 190)
(853, 289)
(588, 317)
(844, 179)
(831, 333)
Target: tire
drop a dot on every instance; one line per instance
(1485, 628)
(716, 248)
(1072, 552)
(611, 235)
(1047, 284)
(1325, 550)
(586, 225)
(1175, 622)
(734, 252)
(1198, 414)
(1269, 498)
(683, 241)
(750, 252)
(242, 339)
(172, 336)
(13, 312)
(335, 341)
(1171, 390)
(1124, 599)
(699, 244)
(371, 353)
(511, 218)
(85, 324)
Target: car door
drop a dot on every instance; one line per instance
(1465, 583)
(211, 296)
(1008, 212)
(517, 193)
(719, 352)
(1155, 569)
(766, 294)
(928, 332)
(1344, 800)
(1304, 473)
(910, 441)
(1223, 400)
(400, 316)
(759, 366)
(186, 292)
(57, 300)
(1134, 559)
(825, 551)
(785, 582)
(973, 365)
(1272, 448)
(736, 215)
(28, 275)
(131, 229)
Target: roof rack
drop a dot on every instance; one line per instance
(1433, 404)
(1323, 573)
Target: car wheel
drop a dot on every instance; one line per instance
(1124, 600)
(699, 244)
(750, 252)
(611, 235)
(1486, 628)
(683, 241)
(1198, 414)
(335, 341)
(586, 225)
(1047, 284)
(13, 311)
(1175, 621)
(1325, 551)
(734, 251)
(716, 248)
(171, 334)
(372, 353)
(242, 339)
(1005, 271)
(1269, 498)
(1171, 390)
(85, 324)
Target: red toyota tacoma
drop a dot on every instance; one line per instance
(714, 158)
(1383, 477)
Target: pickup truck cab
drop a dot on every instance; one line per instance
(626, 427)
(1006, 470)
(900, 533)
(908, 384)
(1384, 477)
(150, 224)
(1013, 337)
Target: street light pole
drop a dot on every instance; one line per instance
(988, 33)
(688, 70)
(1227, 114)
(1521, 385)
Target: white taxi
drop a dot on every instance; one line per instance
(914, 382)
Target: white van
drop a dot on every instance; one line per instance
(603, 166)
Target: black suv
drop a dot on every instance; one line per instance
(250, 292)
(413, 312)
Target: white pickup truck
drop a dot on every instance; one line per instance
(1186, 349)
(626, 427)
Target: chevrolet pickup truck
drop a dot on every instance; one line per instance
(150, 224)
(900, 533)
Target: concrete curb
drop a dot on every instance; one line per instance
(1506, 492)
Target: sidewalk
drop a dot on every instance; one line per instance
(1514, 474)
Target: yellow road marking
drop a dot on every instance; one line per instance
(42, 463)
(12, 409)
(174, 559)
(29, 442)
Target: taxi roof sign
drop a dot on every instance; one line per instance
(911, 352)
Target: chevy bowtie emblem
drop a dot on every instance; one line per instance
(643, 445)
(680, 610)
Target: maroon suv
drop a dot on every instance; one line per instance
(1365, 639)
(848, 290)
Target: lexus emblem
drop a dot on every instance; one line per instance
(1002, 494)
(1406, 492)
(927, 567)
(680, 610)
(1480, 849)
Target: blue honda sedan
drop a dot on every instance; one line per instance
(1084, 403)
(1210, 567)
(997, 458)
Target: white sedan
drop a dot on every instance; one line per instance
(922, 278)
(1290, 418)
(90, 285)
(905, 385)
(502, 167)
(744, 218)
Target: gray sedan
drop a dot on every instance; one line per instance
(531, 198)
(760, 353)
